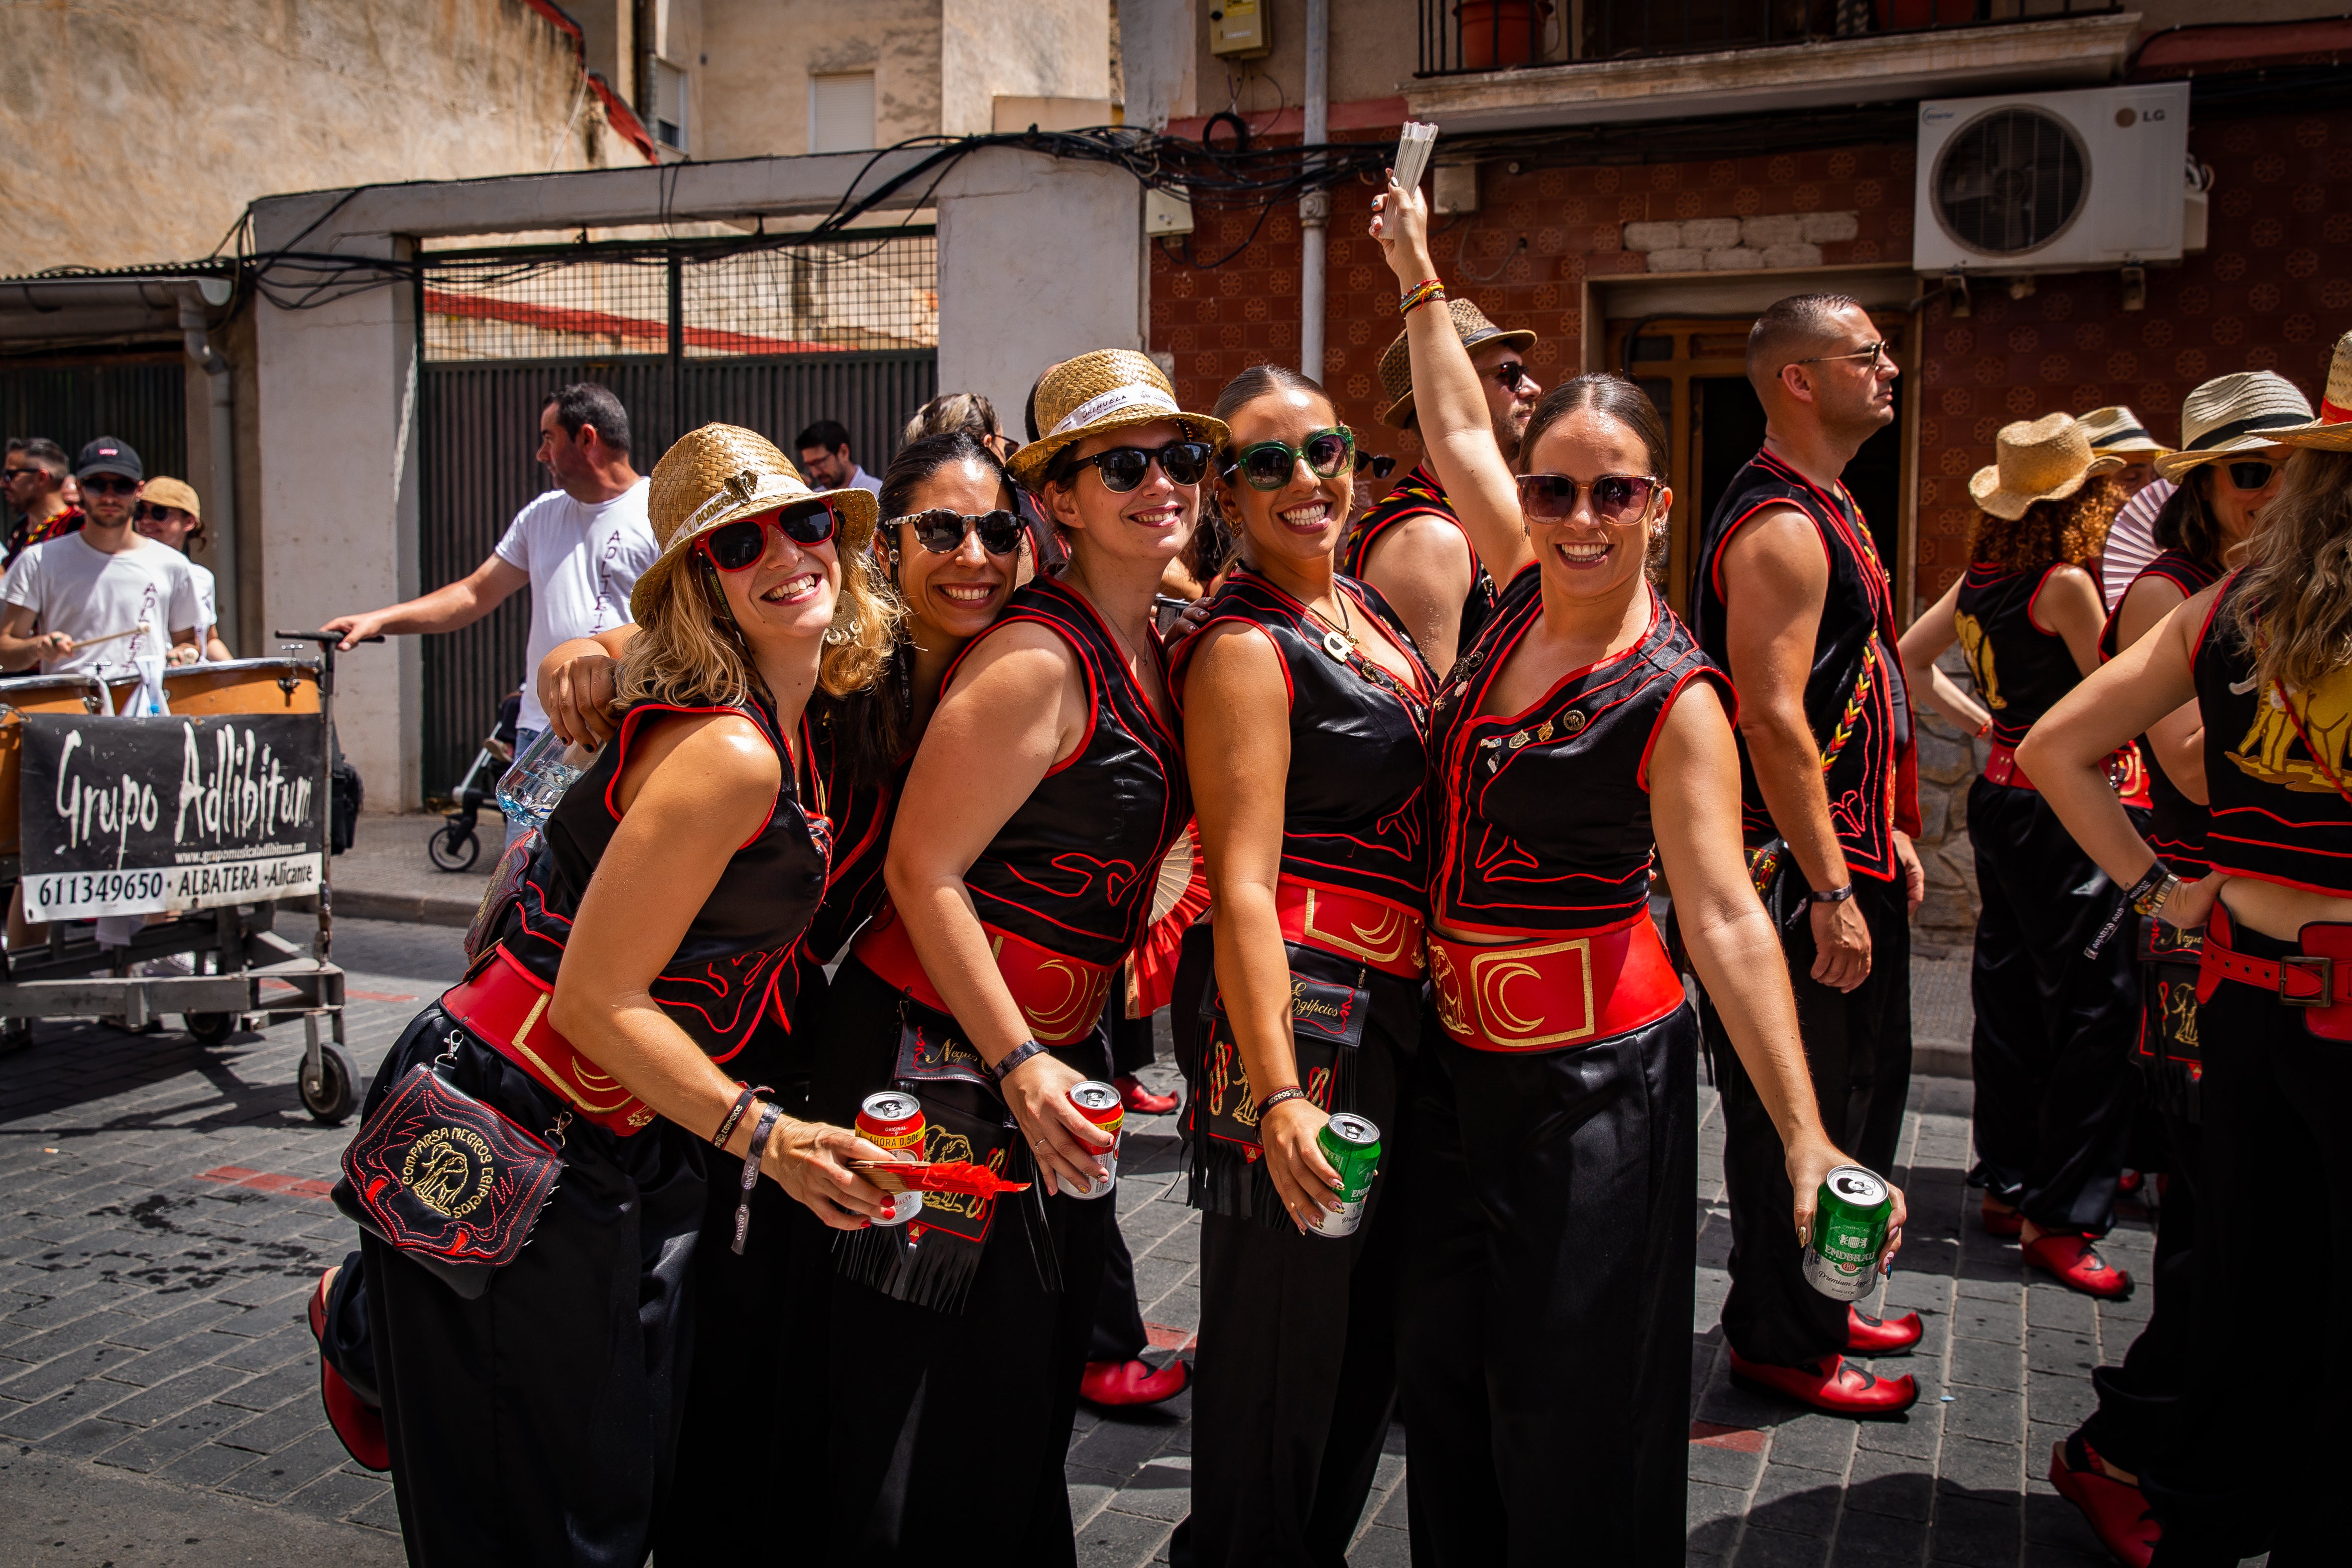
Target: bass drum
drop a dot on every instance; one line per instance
(241, 686)
(23, 694)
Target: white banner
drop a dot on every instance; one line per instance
(149, 890)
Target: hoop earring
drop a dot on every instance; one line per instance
(838, 637)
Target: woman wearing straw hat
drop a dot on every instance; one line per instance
(2054, 1024)
(1544, 1339)
(2116, 432)
(2262, 654)
(1047, 789)
(534, 1420)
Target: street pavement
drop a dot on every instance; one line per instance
(163, 1217)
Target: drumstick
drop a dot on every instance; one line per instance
(142, 629)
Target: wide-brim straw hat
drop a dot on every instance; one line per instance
(2047, 459)
(2332, 431)
(2116, 432)
(1470, 325)
(1109, 389)
(722, 474)
(2232, 414)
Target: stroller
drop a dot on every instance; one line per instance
(454, 845)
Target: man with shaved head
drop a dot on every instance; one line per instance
(1792, 599)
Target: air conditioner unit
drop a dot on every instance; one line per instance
(2052, 182)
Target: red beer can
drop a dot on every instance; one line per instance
(1100, 1104)
(893, 1119)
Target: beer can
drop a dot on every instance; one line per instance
(1100, 1104)
(893, 1119)
(1849, 1220)
(1352, 1146)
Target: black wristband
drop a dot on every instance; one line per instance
(2149, 881)
(1278, 1097)
(1834, 895)
(742, 1103)
(770, 1114)
(1014, 1057)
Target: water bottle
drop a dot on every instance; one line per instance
(528, 790)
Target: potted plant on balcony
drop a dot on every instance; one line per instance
(1499, 33)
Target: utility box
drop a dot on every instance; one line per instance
(1454, 188)
(1239, 30)
(1166, 212)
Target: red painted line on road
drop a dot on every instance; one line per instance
(376, 996)
(1161, 1337)
(1738, 1439)
(267, 1181)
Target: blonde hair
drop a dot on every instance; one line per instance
(687, 651)
(2296, 610)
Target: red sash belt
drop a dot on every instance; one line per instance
(1353, 925)
(1554, 992)
(2126, 773)
(506, 1005)
(2318, 979)
(1060, 997)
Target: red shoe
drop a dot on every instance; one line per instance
(2079, 1267)
(1867, 1335)
(1131, 1382)
(2128, 1183)
(2119, 1515)
(1999, 1221)
(1830, 1385)
(359, 1424)
(1140, 1099)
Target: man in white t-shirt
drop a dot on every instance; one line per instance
(102, 598)
(580, 547)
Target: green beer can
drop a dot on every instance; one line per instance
(1850, 1217)
(1353, 1145)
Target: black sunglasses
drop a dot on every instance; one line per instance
(1552, 498)
(150, 512)
(2251, 475)
(13, 474)
(1123, 467)
(741, 543)
(1381, 466)
(942, 530)
(109, 485)
(1270, 465)
(1510, 373)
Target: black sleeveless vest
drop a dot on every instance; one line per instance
(1855, 705)
(861, 815)
(1419, 494)
(1353, 813)
(2176, 823)
(1073, 869)
(722, 985)
(2020, 670)
(2276, 765)
(1543, 816)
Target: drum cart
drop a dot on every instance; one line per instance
(242, 973)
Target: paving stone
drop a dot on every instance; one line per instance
(87, 1438)
(1992, 1414)
(339, 1493)
(1868, 1540)
(1116, 1540)
(1816, 1443)
(206, 1465)
(174, 1394)
(60, 1410)
(167, 1440)
(276, 1477)
(278, 1429)
(1763, 1547)
(1975, 1532)
(40, 1382)
(1789, 1499)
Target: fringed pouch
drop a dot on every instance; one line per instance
(1221, 1113)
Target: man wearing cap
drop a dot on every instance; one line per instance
(35, 490)
(1409, 546)
(1792, 599)
(2116, 432)
(580, 547)
(101, 597)
(168, 513)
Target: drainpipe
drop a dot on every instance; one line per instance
(1315, 207)
(220, 522)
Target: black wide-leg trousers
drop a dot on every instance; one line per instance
(1858, 1046)
(2052, 1050)
(1544, 1343)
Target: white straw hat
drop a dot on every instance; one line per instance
(2116, 432)
(2047, 459)
(2230, 414)
(2332, 431)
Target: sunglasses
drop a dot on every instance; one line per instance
(1616, 498)
(148, 511)
(109, 485)
(1269, 465)
(740, 545)
(942, 530)
(1509, 373)
(1123, 467)
(1871, 353)
(1381, 466)
(12, 475)
(2251, 475)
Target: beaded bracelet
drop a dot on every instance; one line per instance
(1421, 294)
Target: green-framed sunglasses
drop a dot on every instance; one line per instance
(1269, 465)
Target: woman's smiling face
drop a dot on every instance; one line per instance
(956, 594)
(790, 590)
(1307, 516)
(1582, 553)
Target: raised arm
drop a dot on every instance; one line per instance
(461, 604)
(701, 787)
(1017, 707)
(1922, 646)
(1455, 425)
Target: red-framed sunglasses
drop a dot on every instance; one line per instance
(739, 545)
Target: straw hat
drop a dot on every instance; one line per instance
(2037, 459)
(163, 491)
(2233, 414)
(2332, 431)
(722, 474)
(1109, 389)
(2116, 432)
(1470, 325)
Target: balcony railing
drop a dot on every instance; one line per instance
(1465, 36)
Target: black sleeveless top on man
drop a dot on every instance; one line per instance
(1419, 494)
(1542, 818)
(723, 984)
(2276, 770)
(2176, 823)
(2020, 670)
(1855, 705)
(1073, 868)
(1353, 815)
